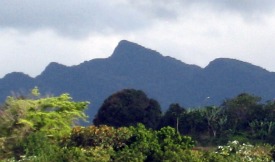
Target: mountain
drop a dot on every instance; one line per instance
(165, 79)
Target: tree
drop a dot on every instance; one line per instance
(269, 110)
(215, 119)
(127, 108)
(194, 122)
(51, 116)
(239, 110)
(157, 145)
(172, 116)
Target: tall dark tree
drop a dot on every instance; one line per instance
(129, 107)
(269, 109)
(194, 122)
(240, 108)
(172, 116)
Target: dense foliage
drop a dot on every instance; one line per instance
(242, 118)
(45, 129)
(127, 108)
(22, 118)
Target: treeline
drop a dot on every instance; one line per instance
(243, 118)
(131, 127)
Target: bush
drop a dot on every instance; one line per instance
(160, 145)
(244, 152)
(93, 136)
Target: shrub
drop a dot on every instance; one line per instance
(244, 152)
(93, 136)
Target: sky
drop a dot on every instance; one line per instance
(34, 33)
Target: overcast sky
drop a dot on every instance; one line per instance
(34, 33)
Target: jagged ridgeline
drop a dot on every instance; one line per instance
(165, 79)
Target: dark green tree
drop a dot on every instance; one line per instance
(215, 119)
(194, 122)
(172, 116)
(240, 109)
(156, 145)
(127, 108)
(269, 110)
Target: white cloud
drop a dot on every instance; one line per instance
(32, 52)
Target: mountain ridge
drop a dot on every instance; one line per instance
(163, 78)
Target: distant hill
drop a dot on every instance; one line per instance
(165, 79)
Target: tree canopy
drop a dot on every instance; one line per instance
(51, 116)
(127, 108)
(36, 128)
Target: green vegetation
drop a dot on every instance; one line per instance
(44, 129)
(127, 108)
(24, 119)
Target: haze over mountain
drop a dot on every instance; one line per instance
(165, 79)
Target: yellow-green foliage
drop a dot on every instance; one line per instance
(104, 136)
(52, 116)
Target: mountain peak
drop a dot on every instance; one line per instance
(129, 50)
(16, 75)
(126, 42)
(224, 64)
(53, 68)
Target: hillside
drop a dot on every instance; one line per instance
(165, 79)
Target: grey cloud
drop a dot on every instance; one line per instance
(172, 8)
(79, 18)
(160, 9)
(71, 17)
(243, 6)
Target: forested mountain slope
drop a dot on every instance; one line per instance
(165, 79)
